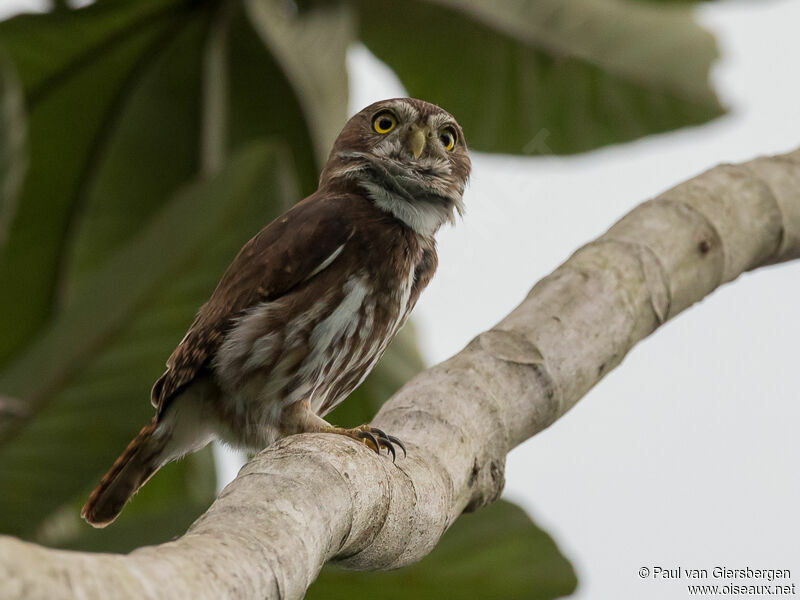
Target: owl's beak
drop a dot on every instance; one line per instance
(415, 142)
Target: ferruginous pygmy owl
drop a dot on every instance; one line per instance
(309, 305)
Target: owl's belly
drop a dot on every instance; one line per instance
(273, 358)
(342, 348)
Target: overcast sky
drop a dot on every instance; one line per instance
(687, 453)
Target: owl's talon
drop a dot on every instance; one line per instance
(388, 442)
(397, 441)
(368, 438)
(385, 443)
(372, 437)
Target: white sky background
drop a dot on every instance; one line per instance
(687, 453)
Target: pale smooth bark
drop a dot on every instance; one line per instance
(313, 498)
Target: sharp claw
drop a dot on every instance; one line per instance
(395, 440)
(368, 436)
(381, 433)
(388, 445)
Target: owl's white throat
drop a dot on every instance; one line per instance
(425, 218)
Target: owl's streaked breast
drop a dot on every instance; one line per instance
(319, 342)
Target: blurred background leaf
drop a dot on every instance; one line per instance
(73, 67)
(158, 135)
(550, 76)
(84, 404)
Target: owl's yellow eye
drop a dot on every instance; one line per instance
(384, 122)
(448, 138)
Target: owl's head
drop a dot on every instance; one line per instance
(408, 156)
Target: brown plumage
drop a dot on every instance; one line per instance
(309, 304)
(129, 472)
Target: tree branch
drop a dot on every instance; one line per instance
(312, 498)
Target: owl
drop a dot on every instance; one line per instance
(308, 305)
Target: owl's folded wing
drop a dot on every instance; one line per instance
(292, 248)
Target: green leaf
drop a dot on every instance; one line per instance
(548, 76)
(120, 100)
(12, 144)
(150, 149)
(124, 99)
(497, 552)
(74, 66)
(86, 380)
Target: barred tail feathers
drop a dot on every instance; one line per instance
(140, 460)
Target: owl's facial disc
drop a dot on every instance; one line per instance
(409, 157)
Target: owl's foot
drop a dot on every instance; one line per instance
(372, 437)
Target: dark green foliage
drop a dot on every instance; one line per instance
(86, 378)
(554, 76)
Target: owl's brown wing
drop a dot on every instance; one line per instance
(291, 248)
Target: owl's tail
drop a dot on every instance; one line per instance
(140, 460)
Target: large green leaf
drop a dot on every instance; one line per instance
(496, 553)
(119, 96)
(74, 67)
(151, 148)
(548, 76)
(124, 100)
(86, 380)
